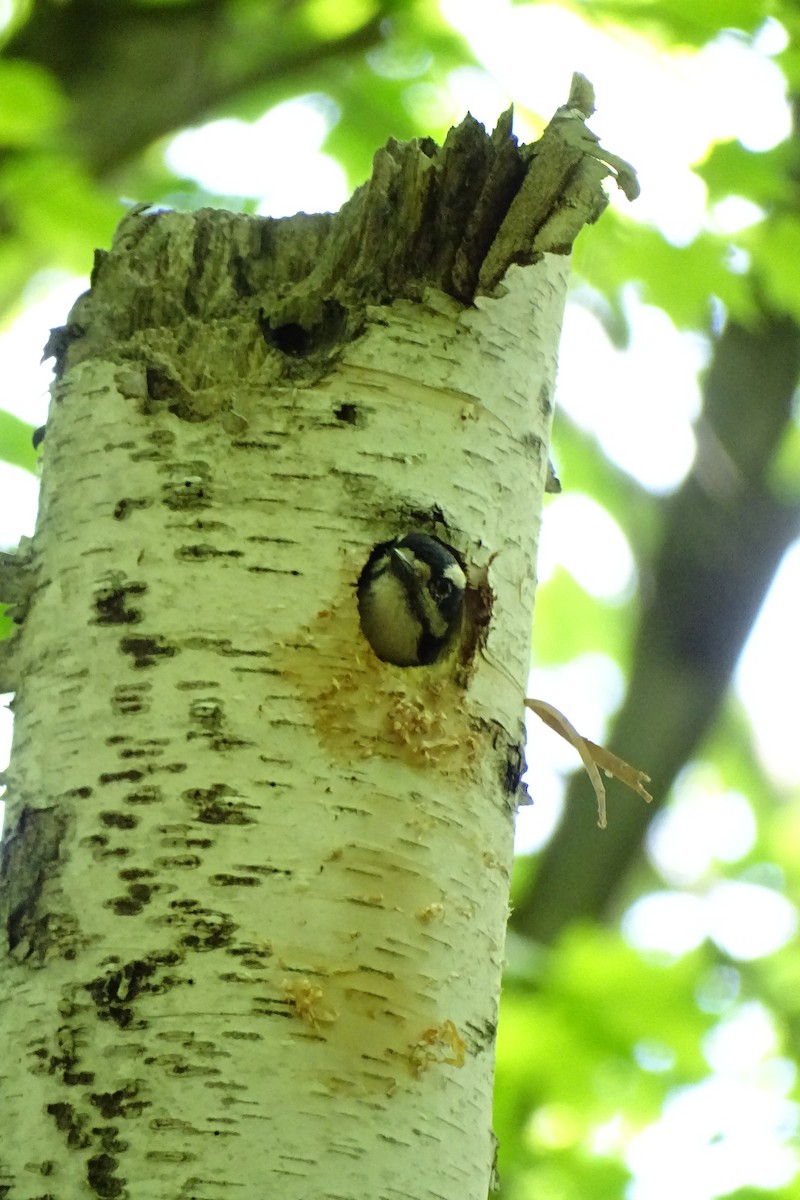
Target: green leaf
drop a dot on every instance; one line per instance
(16, 446)
(6, 628)
(683, 21)
(58, 212)
(570, 1035)
(354, 143)
(773, 245)
(764, 178)
(568, 622)
(390, 81)
(330, 19)
(680, 279)
(624, 998)
(789, 59)
(784, 470)
(31, 103)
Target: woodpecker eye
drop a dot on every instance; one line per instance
(447, 594)
(442, 588)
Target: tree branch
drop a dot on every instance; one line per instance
(724, 536)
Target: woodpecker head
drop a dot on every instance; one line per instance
(410, 599)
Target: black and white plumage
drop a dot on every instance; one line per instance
(411, 599)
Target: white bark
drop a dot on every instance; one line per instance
(265, 955)
(256, 884)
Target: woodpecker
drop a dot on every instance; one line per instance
(411, 599)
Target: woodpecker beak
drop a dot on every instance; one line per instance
(404, 566)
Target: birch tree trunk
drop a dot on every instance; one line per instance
(255, 881)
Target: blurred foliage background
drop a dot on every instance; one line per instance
(643, 1047)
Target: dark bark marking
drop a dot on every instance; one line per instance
(101, 1177)
(129, 699)
(112, 603)
(189, 486)
(234, 881)
(29, 860)
(124, 507)
(202, 552)
(70, 1122)
(118, 820)
(145, 651)
(115, 776)
(59, 342)
(123, 1102)
(216, 805)
(302, 341)
(161, 386)
(206, 928)
(514, 768)
(114, 994)
(151, 794)
(348, 414)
